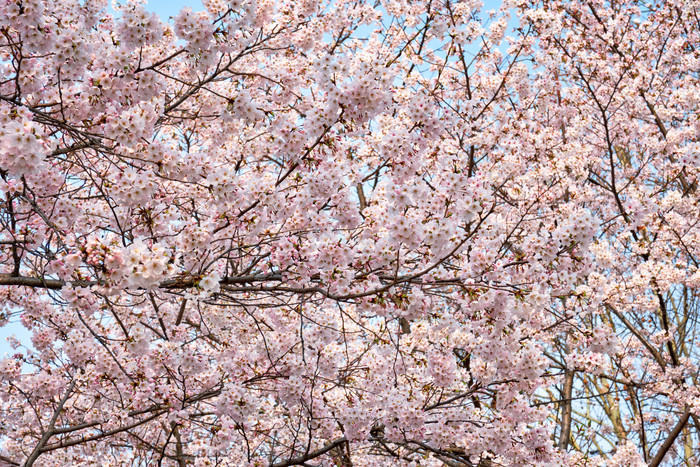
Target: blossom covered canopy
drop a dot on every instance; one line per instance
(350, 233)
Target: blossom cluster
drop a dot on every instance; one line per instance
(22, 146)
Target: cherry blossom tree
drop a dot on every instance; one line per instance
(627, 75)
(411, 233)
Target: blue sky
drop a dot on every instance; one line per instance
(168, 8)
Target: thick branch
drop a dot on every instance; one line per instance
(50, 429)
(301, 460)
(565, 424)
(656, 461)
